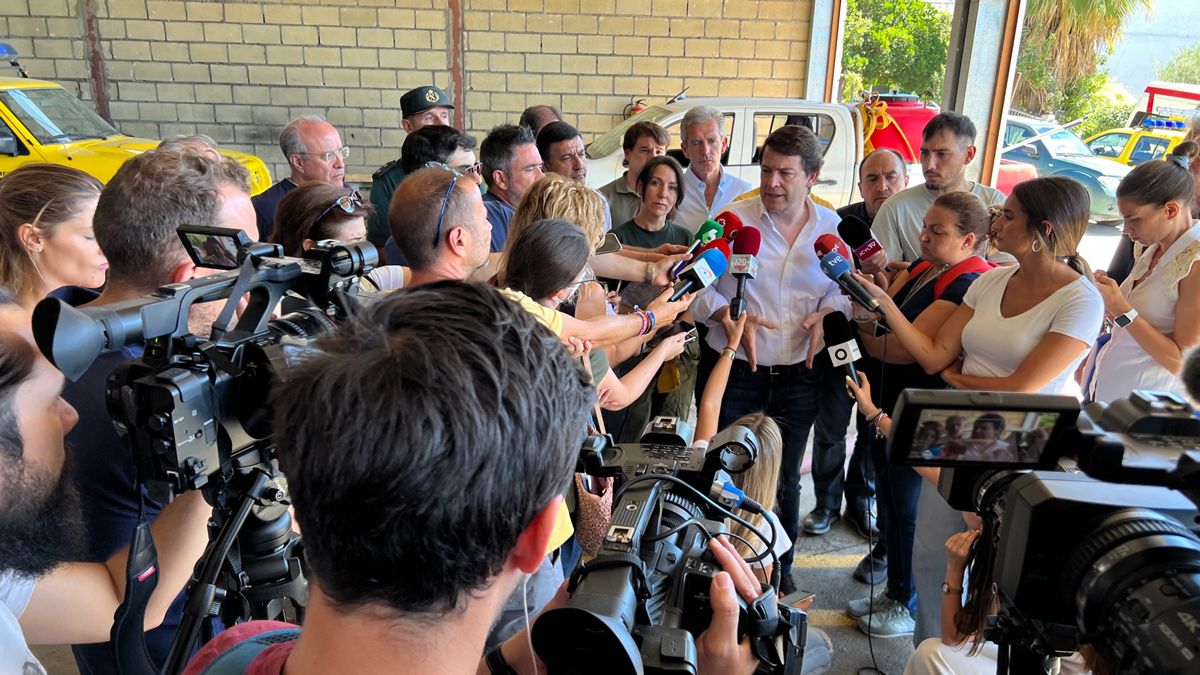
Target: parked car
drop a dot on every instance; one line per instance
(1059, 152)
(42, 122)
(748, 122)
(1134, 145)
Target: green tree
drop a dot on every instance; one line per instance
(1063, 44)
(1184, 66)
(894, 44)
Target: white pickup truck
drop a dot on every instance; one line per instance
(748, 122)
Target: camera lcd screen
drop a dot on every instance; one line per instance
(966, 436)
(212, 250)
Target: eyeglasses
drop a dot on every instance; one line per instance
(343, 152)
(437, 230)
(348, 203)
(475, 169)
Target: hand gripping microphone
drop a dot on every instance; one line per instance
(857, 233)
(700, 274)
(838, 268)
(731, 223)
(827, 243)
(840, 343)
(708, 232)
(743, 265)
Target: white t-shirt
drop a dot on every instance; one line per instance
(897, 226)
(995, 346)
(15, 656)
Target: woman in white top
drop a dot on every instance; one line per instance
(1156, 310)
(1019, 328)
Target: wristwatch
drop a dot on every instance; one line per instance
(1126, 318)
(947, 589)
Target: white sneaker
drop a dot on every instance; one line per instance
(856, 609)
(890, 620)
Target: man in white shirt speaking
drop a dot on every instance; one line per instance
(774, 370)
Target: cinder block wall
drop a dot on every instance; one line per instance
(238, 71)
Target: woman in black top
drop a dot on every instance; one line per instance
(927, 293)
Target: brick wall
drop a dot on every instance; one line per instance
(239, 71)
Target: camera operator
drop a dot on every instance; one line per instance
(42, 600)
(460, 506)
(135, 222)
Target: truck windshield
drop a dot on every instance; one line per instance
(54, 116)
(614, 139)
(1066, 144)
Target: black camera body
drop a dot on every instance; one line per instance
(1093, 516)
(638, 605)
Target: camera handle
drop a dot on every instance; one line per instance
(1029, 646)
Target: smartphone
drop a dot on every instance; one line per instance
(800, 599)
(611, 244)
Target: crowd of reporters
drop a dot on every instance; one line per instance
(429, 444)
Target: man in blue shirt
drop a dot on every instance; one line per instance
(314, 151)
(135, 222)
(707, 186)
(511, 164)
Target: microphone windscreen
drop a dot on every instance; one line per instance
(730, 222)
(716, 260)
(834, 266)
(837, 328)
(708, 231)
(719, 245)
(748, 241)
(828, 243)
(854, 230)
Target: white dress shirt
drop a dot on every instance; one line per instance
(693, 210)
(789, 287)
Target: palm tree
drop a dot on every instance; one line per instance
(1062, 43)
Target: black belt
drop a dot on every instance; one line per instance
(784, 371)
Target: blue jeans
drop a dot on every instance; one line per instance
(938, 522)
(790, 396)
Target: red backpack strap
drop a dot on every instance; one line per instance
(972, 264)
(918, 268)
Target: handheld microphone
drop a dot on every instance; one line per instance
(857, 233)
(703, 271)
(708, 232)
(731, 223)
(838, 269)
(840, 343)
(827, 243)
(717, 245)
(743, 265)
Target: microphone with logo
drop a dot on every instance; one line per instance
(701, 273)
(838, 269)
(857, 233)
(731, 223)
(840, 343)
(710, 231)
(828, 243)
(743, 265)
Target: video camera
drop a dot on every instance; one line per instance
(194, 409)
(1114, 564)
(638, 605)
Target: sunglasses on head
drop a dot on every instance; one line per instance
(348, 203)
(437, 230)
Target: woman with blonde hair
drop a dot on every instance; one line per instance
(46, 239)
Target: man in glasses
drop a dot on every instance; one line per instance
(421, 107)
(314, 151)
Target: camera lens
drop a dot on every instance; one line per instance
(305, 323)
(1135, 581)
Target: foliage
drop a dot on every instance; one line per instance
(1184, 66)
(1063, 44)
(894, 44)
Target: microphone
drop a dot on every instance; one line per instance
(708, 232)
(730, 222)
(840, 343)
(743, 265)
(857, 233)
(717, 245)
(827, 243)
(838, 268)
(703, 271)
